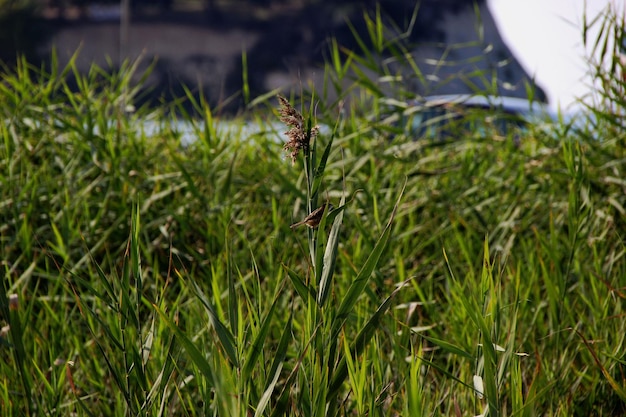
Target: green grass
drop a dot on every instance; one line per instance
(157, 279)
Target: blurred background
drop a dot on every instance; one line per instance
(201, 43)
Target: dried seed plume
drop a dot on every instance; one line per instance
(298, 139)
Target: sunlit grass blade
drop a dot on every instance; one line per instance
(265, 398)
(487, 328)
(164, 378)
(330, 256)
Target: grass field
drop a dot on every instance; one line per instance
(470, 276)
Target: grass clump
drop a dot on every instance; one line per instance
(144, 275)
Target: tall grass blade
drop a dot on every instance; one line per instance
(449, 347)
(267, 394)
(256, 348)
(196, 356)
(321, 167)
(225, 337)
(304, 291)
(330, 257)
(244, 75)
(358, 285)
(18, 352)
(360, 342)
(283, 348)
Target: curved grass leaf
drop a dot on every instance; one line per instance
(359, 344)
(321, 167)
(225, 337)
(194, 353)
(256, 348)
(358, 285)
(265, 398)
(330, 256)
(283, 345)
(448, 347)
(301, 288)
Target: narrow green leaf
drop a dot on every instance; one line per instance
(233, 310)
(244, 75)
(194, 353)
(256, 348)
(189, 180)
(358, 285)
(117, 377)
(283, 346)
(303, 290)
(225, 337)
(17, 339)
(321, 167)
(449, 347)
(267, 395)
(360, 342)
(330, 257)
(357, 37)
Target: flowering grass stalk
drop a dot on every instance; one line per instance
(331, 353)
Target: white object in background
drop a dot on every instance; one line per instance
(545, 36)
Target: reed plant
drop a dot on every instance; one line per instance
(148, 275)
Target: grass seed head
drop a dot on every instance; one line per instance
(298, 139)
